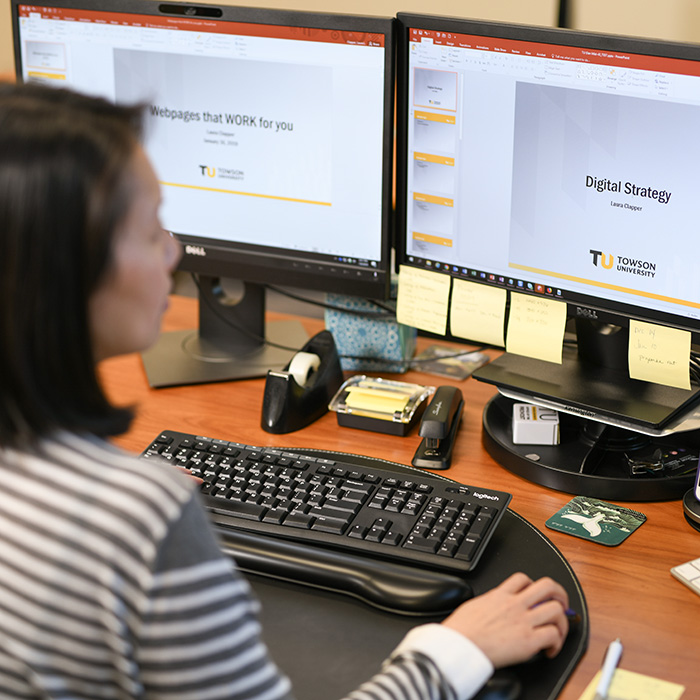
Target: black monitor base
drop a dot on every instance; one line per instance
(233, 340)
(591, 459)
(691, 509)
(181, 357)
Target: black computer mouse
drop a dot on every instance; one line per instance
(501, 686)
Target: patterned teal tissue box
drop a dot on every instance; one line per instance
(373, 334)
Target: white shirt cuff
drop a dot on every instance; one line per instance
(465, 667)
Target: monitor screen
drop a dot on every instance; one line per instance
(270, 132)
(556, 164)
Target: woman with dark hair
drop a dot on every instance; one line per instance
(112, 584)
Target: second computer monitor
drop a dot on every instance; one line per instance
(562, 166)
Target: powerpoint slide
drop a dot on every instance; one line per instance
(432, 218)
(45, 54)
(251, 128)
(436, 178)
(435, 88)
(434, 136)
(605, 188)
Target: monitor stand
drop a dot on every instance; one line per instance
(593, 459)
(611, 425)
(691, 509)
(228, 343)
(593, 382)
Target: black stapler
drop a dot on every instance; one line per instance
(438, 429)
(290, 402)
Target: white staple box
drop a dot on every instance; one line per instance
(534, 425)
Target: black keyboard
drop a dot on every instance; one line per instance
(338, 501)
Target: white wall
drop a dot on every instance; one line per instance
(678, 20)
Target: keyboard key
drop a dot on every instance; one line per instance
(357, 531)
(448, 548)
(479, 526)
(392, 538)
(467, 548)
(326, 524)
(421, 544)
(342, 506)
(298, 520)
(275, 515)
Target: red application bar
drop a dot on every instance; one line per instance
(194, 24)
(559, 52)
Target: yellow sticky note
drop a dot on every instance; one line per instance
(422, 299)
(536, 327)
(478, 312)
(380, 402)
(627, 685)
(659, 354)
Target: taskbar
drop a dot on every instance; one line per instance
(485, 277)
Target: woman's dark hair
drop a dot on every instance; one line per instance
(64, 189)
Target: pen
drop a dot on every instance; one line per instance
(612, 658)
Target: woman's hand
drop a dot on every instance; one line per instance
(515, 620)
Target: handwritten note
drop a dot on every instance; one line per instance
(478, 312)
(422, 300)
(536, 327)
(659, 354)
(627, 685)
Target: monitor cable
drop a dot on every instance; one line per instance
(387, 312)
(412, 363)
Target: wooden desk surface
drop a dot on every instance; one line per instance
(630, 592)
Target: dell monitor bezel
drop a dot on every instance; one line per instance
(227, 343)
(641, 406)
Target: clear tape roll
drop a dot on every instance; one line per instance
(302, 366)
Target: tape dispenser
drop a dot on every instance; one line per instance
(300, 394)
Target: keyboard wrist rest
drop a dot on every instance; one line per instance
(390, 586)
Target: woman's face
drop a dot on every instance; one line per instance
(126, 309)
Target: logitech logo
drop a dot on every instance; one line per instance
(195, 250)
(206, 170)
(484, 495)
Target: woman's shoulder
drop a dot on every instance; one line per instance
(82, 470)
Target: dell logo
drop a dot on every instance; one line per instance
(195, 250)
(583, 312)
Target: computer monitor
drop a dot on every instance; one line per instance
(562, 165)
(271, 133)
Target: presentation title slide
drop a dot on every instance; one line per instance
(607, 185)
(244, 120)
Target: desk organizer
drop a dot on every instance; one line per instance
(380, 405)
